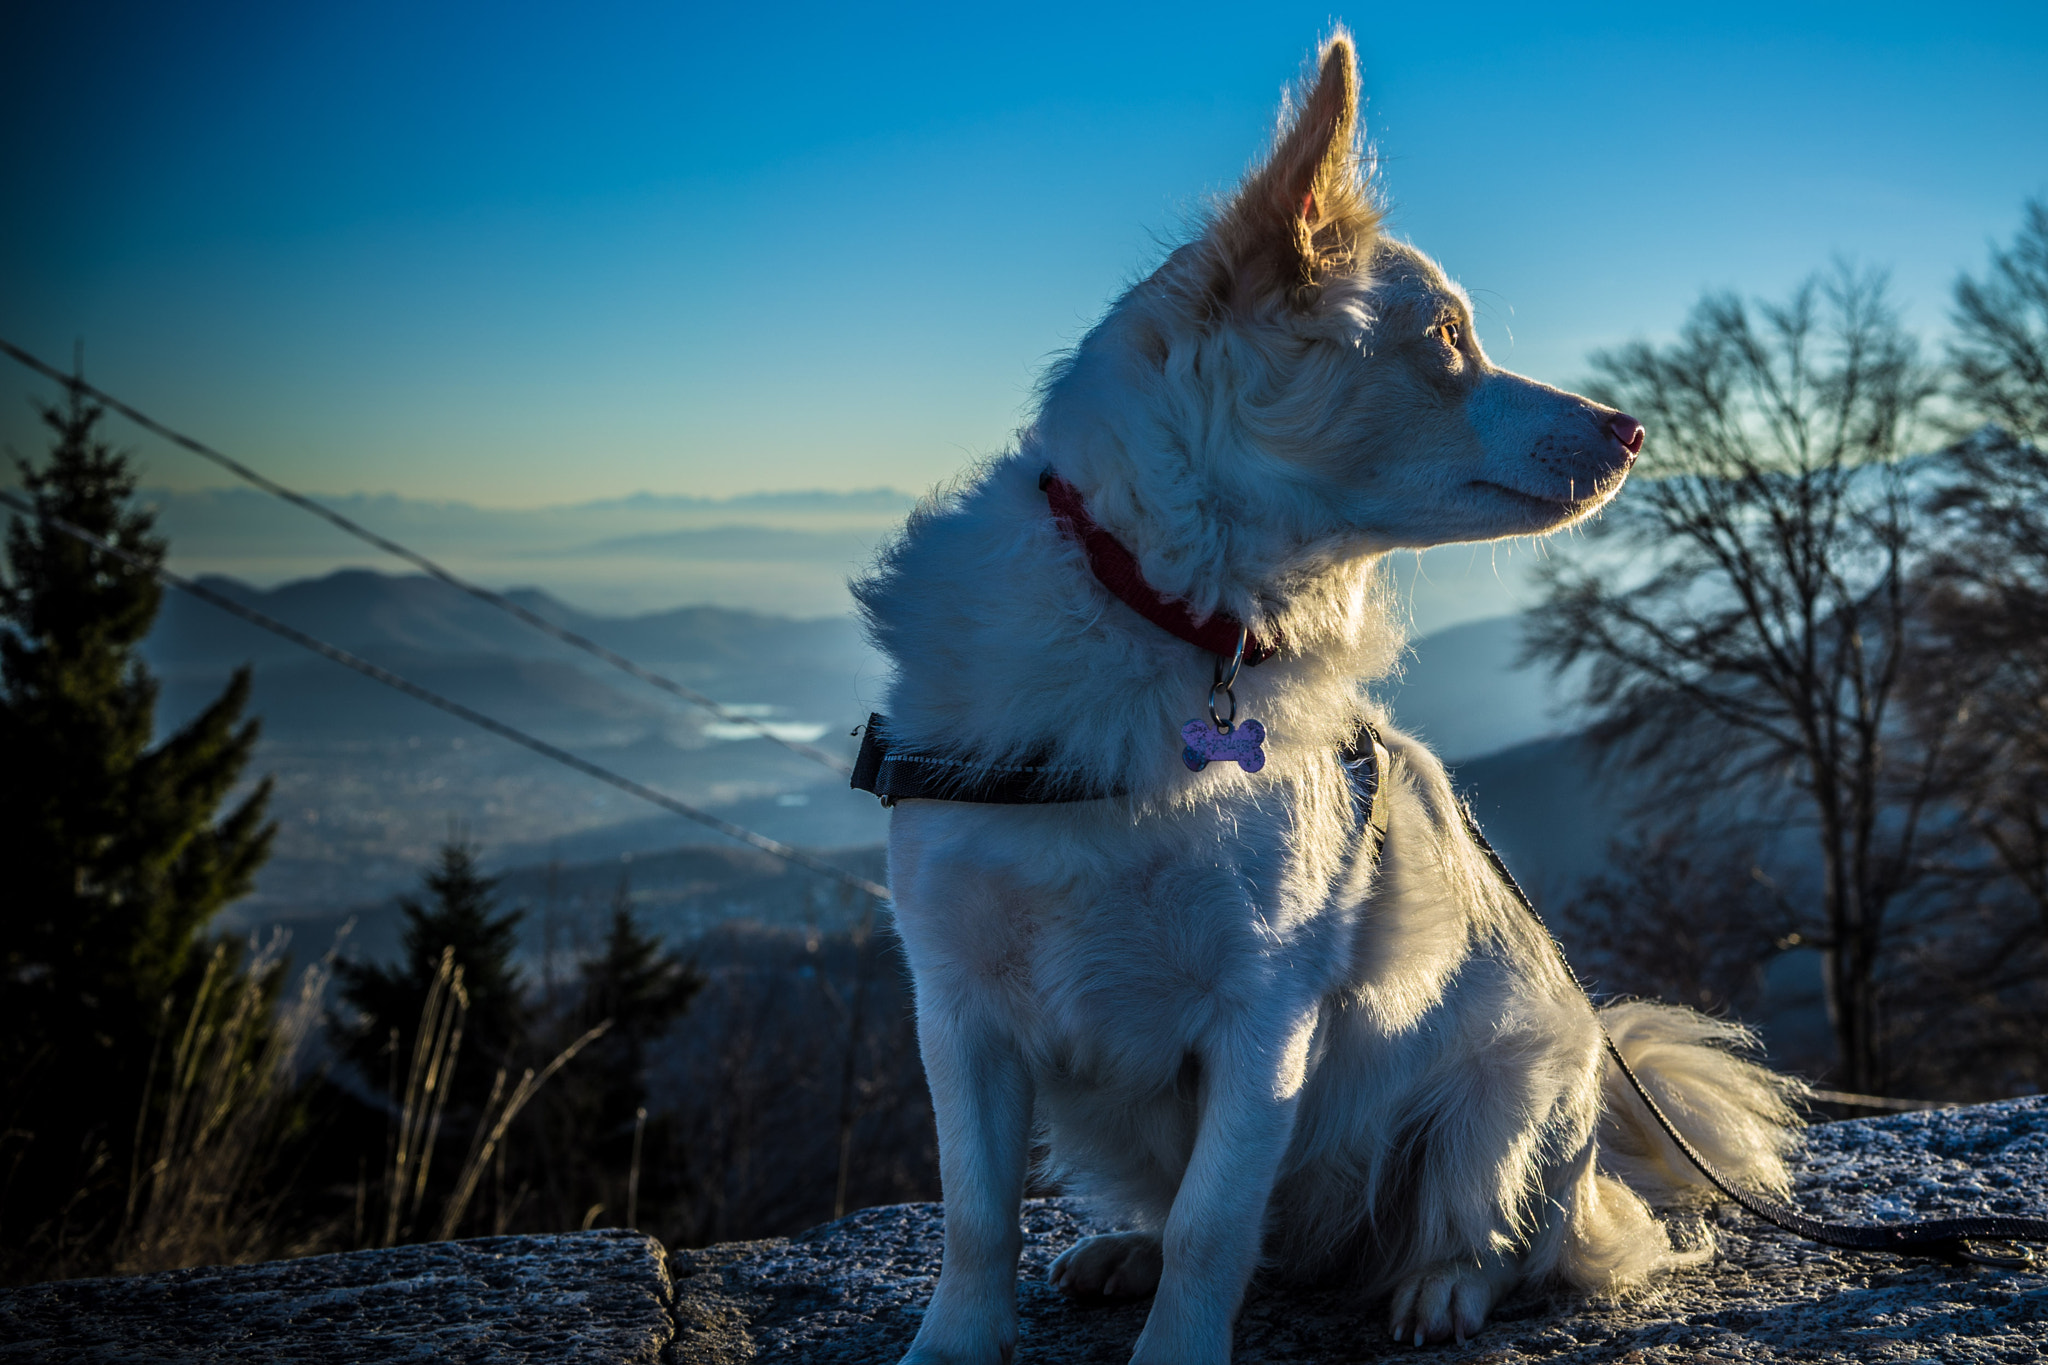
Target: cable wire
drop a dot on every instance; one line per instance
(454, 708)
(418, 560)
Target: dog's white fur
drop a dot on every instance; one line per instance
(1231, 1025)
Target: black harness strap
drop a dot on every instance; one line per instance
(898, 775)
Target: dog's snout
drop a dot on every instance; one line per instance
(1629, 432)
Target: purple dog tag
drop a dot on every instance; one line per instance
(1242, 743)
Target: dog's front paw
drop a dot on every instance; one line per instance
(1116, 1265)
(958, 1331)
(1447, 1300)
(948, 1349)
(921, 1354)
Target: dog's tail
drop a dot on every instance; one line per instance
(1737, 1114)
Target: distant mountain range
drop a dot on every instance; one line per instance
(785, 554)
(735, 543)
(368, 780)
(789, 553)
(369, 612)
(1464, 692)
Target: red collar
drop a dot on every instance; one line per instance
(1117, 569)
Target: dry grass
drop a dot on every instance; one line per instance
(437, 1046)
(497, 1120)
(232, 1078)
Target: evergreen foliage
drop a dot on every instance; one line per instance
(584, 1135)
(459, 912)
(642, 989)
(117, 855)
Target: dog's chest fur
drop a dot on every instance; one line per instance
(1113, 945)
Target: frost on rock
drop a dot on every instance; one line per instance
(853, 1290)
(594, 1298)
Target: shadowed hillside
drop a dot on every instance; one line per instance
(369, 780)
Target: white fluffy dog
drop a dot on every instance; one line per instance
(1234, 1020)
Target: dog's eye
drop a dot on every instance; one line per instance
(1450, 334)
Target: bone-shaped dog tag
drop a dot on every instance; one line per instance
(1243, 743)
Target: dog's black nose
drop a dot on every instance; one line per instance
(1628, 431)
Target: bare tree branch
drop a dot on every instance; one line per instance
(1766, 643)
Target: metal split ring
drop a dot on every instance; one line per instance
(2006, 1255)
(1225, 680)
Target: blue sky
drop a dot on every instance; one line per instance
(516, 254)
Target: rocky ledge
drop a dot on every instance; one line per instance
(591, 1298)
(852, 1291)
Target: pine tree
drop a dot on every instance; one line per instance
(116, 852)
(586, 1137)
(642, 990)
(459, 913)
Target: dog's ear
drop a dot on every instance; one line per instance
(1306, 209)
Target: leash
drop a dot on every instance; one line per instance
(1945, 1239)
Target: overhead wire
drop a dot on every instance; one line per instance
(421, 562)
(775, 847)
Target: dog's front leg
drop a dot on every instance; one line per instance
(981, 1097)
(1250, 1089)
